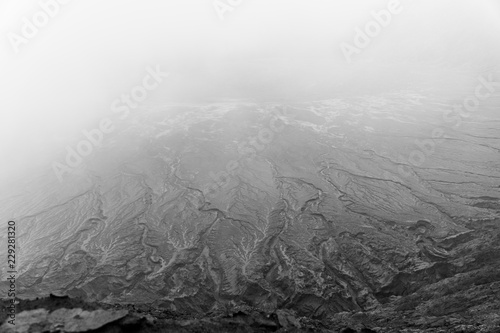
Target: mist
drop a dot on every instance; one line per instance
(65, 78)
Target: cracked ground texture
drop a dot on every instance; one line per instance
(319, 219)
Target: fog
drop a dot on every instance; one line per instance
(66, 77)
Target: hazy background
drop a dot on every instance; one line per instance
(91, 52)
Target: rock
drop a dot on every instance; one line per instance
(367, 330)
(25, 320)
(67, 320)
(287, 319)
(348, 330)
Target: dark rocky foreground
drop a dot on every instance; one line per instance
(467, 302)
